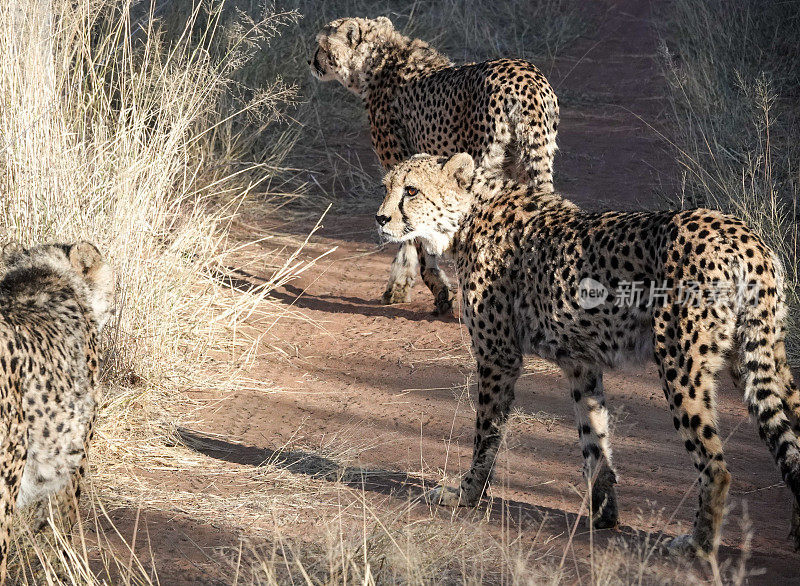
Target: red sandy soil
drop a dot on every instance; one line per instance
(390, 376)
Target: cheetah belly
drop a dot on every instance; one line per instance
(53, 457)
(629, 341)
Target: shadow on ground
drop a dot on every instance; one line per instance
(297, 297)
(402, 486)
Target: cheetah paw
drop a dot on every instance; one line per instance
(447, 496)
(682, 546)
(396, 294)
(687, 546)
(444, 303)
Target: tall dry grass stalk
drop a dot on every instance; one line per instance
(109, 135)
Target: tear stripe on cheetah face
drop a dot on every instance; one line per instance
(53, 301)
(521, 255)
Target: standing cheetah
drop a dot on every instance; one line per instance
(524, 259)
(54, 300)
(503, 112)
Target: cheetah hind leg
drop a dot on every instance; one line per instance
(62, 509)
(690, 391)
(61, 506)
(402, 275)
(14, 447)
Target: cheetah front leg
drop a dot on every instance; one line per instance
(436, 280)
(586, 385)
(495, 396)
(402, 274)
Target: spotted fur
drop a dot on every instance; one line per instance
(503, 112)
(521, 256)
(54, 299)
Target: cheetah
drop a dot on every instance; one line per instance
(54, 300)
(524, 258)
(503, 112)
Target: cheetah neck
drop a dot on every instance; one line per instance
(488, 184)
(438, 237)
(491, 194)
(402, 59)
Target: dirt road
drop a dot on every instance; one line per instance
(389, 382)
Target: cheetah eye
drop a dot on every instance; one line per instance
(411, 191)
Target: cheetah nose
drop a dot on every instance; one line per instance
(382, 220)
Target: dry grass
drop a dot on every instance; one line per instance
(734, 83)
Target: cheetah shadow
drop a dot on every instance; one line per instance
(296, 297)
(402, 486)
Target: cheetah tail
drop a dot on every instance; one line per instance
(769, 388)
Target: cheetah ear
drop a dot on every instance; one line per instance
(86, 259)
(383, 20)
(11, 250)
(353, 33)
(461, 167)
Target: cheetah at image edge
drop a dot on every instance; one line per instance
(54, 300)
(503, 112)
(521, 256)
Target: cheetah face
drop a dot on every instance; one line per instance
(426, 199)
(344, 48)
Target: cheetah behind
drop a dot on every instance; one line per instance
(503, 112)
(54, 300)
(523, 257)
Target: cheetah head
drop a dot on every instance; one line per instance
(426, 199)
(80, 264)
(345, 48)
